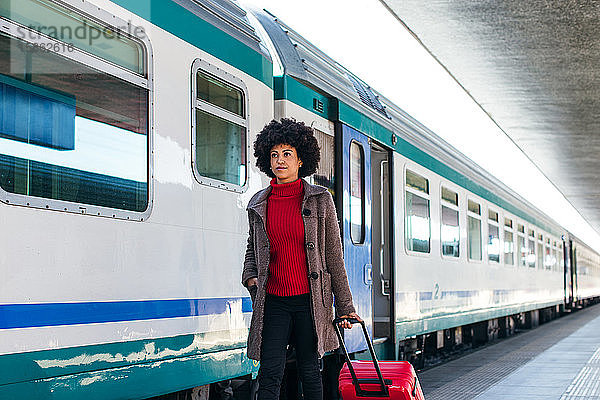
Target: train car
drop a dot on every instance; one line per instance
(124, 174)
(126, 130)
(438, 252)
(582, 273)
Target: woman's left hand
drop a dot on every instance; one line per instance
(346, 324)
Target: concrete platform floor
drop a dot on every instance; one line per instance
(559, 360)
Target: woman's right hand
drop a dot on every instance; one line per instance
(252, 282)
(345, 323)
(252, 288)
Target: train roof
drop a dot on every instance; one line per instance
(363, 108)
(227, 16)
(219, 27)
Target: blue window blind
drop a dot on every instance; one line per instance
(36, 115)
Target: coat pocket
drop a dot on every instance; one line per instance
(326, 290)
(253, 289)
(321, 242)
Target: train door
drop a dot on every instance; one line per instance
(381, 245)
(574, 274)
(355, 204)
(568, 277)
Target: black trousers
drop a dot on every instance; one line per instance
(284, 315)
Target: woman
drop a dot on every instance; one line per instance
(294, 262)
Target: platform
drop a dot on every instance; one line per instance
(559, 360)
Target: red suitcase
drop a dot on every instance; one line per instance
(376, 380)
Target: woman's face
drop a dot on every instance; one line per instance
(285, 163)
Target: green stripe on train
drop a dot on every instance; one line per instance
(137, 369)
(175, 19)
(287, 88)
(405, 329)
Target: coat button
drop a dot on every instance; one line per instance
(306, 212)
(314, 275)
(310, 245)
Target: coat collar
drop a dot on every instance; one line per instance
(258, 202)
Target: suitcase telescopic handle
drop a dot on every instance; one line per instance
(361, 392)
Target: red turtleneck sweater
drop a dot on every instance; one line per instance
(288, 272)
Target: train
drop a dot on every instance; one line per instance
(126, 132)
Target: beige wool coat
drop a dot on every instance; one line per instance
(326, 272)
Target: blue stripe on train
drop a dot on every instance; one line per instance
(54, 314)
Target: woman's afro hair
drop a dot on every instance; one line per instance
(292, 133)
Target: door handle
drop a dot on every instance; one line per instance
(385, 283)
(368, 274)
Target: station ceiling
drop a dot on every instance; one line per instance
(534, 67)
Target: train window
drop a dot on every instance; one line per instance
(548, 262)
(531, 249)
(449, 196)
(474, 231)
(418, 228)
(474, 207)
(493, 245)
(417, 182)
(540, 252)
(509, 251)
(77, 31)
(554, 255)
(325, 173)
(220, 149)
(74, 126)
(219, 94)
(582, 262)
(220, 127)
(508, 248)
(561, 260)
(521, 247)
(357, 203)
(553, 259)
(450, 233)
